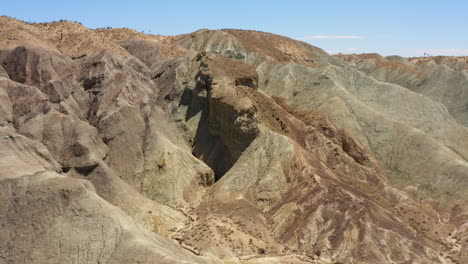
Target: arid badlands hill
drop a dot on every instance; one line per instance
(226, 146)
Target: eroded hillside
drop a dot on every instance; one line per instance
(225, 146)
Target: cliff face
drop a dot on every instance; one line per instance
(225, 146)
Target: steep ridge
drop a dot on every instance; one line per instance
(440, 78)
(260, 198)
(342, 91)
(224, 146)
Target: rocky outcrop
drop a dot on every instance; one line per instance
(228, 122)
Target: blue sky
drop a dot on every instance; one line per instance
(407, 28)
